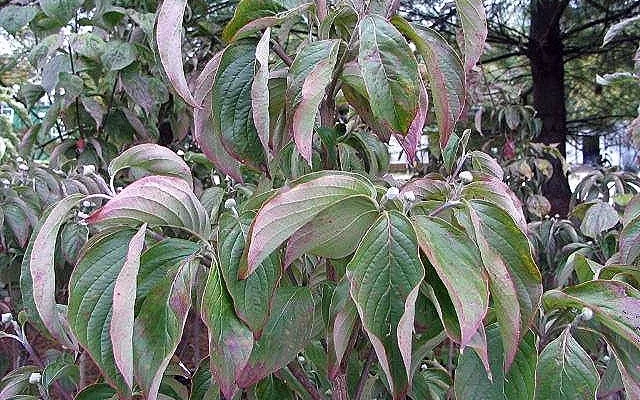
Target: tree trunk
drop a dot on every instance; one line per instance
(591, 150)
(547, 69)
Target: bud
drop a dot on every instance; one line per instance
(216, 180)
(6, 318)
(466, 177)
(19, 160)
(180, 153)
(586, 314)
(409, 196)
(23, 167)
(35, 378)
(6, 182)
(230, 204)
(423, 367)
(86, 204)
(82, 215)
(301, 359)
(88, 169)
(392, 193)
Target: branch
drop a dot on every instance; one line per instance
(303, 379)
(364, 375)
(277, 48)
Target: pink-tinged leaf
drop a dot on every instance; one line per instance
(289, 329)
(159, 325)
(124, 298)
(491, 189)
(457, 262)
(157, 201)
(169, 41)
(313, 91)
(294, 206)
(203, 132)
(260, 92)
(385, 275)
(485, 164)
(270, 21)
(343, 317)
(42, 269)
(445, 73)
(153, 160)
(514, 280)
(230, 341)
(474, 27)
(479, 344)
(410, 142)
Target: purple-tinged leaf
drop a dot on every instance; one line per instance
(479, 344)
(42, 268)
(410, 142)
(619, 27)
(270, 21)
(203, 132)
(599, 218)
(294, 206)
(385, 274)
(169, 41)
(390, 73)
(497, 192)
(615, 305)
(260, 93)
(124, 298)
(252, 297)
(160, 323)
(343, 317)
(250, 10)
(335, 232)
(157, 201)
(152, 160)
(457, 262)
(445, 73)
(230, 341)
(627, 360)
(313, 91)
(514, 280)
(474, 28)
(289, 330)
(90, 309)
(484, 163)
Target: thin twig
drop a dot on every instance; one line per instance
(277, 48)
(303, 379)
(365, 374)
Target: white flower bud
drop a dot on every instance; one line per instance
(423, 367)
(35, 378)
(180, 153)
(216, 180)
(23, 167)
(58, 171)
(392, 193)
(409, 196)
(82, 215)
(88, 169)
(6, 182)
(230, 204)
(586, 314)
(6, 318)
(86, 204)
(466, 177)
(301, 359)
(19, 160)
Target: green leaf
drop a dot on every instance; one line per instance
(390, 73)
(60, 10)
(313, 91)
(565, 371)
(599, 218)
(13, 17)
(294, 206)
(496, 192)
(260, 93)
(159, 325)
(72, 237)
(97, 391)
(91, 289)
(252, 296)
(231, 99)
(616, 305)
(202, 385)
(514, 280)
(335, 232)
(41, 268)
(472, 383)
(151, 159)
(457, 261)
(157, 201)
(230, 341)
(385, 274)
(445, 74)
(627, 359)
(146, 91)
(249, 10)
(431, 384)
(118, 55)
(124, 297)
(289, 330)
(211, 200)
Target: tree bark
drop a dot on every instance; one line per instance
(546, 54)
(591, 150)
